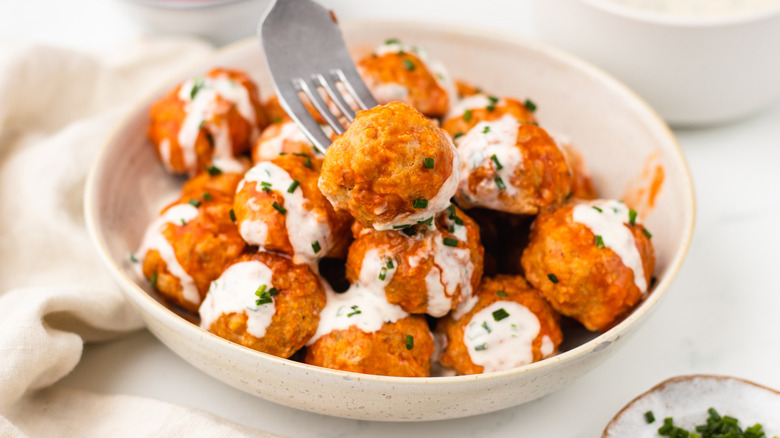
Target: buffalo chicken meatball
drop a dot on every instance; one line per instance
(361, 332)
(266, 302)
(507, 325)
(396, 72)
(513, 167)
(592, 261)
(391, 167)
(279, 207)
(188, 246)
(424, 269)
(209, 119)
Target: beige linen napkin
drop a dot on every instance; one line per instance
(56, 109)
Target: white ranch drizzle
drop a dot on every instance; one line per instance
(547, 348)
(165, 154)
(234, 292)
(155, 240)
(503, 344)
(304, 226)
(439, 71)
(363, 305)
(389, 92)
(200, 111)
(485, 140)
(473, 102)
(609, 223)
(436, 204)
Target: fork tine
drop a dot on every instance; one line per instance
(293, 105)
(330, 87)
(356, 87)
(311, 91)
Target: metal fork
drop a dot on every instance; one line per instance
(305, 52)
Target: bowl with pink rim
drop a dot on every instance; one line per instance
(619, 136)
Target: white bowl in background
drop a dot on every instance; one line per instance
(219, 21)
(612, 127)
(693, 71)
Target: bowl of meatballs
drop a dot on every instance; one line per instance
(495, 228)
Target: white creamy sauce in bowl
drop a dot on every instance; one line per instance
(490, 144)
(154, 239)
(476, 101)
(200, 96)
(235, 292)
(699, 8)
(501, 336)
(607, 219)
(306, 229)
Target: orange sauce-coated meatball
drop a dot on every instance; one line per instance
(509, 325)
(209, 119)
(402, 348)
(589, 261)
(392, 166)
(265, 302)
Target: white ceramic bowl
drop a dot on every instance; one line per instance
(613, 128)
(219, 21)
(693, 71)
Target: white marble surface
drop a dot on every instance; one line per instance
(721, 315)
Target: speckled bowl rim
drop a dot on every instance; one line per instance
(157, 310)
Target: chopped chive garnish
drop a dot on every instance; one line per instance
(232, 215)
(492, 99)
(383, 273)
(279, 208)
(427, 222)
(132, 258)
(293, 185)
(183, 222)
(409, 342)
(409, 231)
(631, 216)
(210, 139)
(392, 41)
(501, 293)
(530, 105)
(486, 129)
(500, 314)
(355, 311)
(457, 135)
(599, 242)
(647, 233)
(486, 327)
(195, 203)
(266, 186)
(408, 64)
(481, 347)
(276, 120)
(213, 170)
(491, 107)
(420, 203)
(306, 163)
(494, 158)
(400, 227)
(261, 289)
(316, 246)
(153, 280)
(451, 211)
(196, 86)
(553, 278)
(207, 196)
(500, 183)
(449, 241)
(649, 417)
(390, 264)
(458, 220)
(467, 115)
(569, 195)
(428, 163)
(598, 209)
